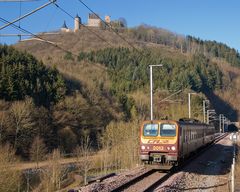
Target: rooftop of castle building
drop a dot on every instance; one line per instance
(93, 16)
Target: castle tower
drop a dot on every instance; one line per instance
(64, 27)
(107, 19)
(77, 23)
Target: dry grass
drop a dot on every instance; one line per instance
(73, 42)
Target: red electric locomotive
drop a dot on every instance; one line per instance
(168, 141)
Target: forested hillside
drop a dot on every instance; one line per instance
(186, 44)
(55, 98)
(129, 70)
(37, 102)
(22, 75)
(112, 83)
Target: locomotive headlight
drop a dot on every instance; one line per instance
(143, 147)
(173, 148)
(168, 148)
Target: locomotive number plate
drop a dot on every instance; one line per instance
(157, 148)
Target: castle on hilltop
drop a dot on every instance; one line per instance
(93, 21)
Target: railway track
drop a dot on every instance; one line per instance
(144, 181)
(151, 179)
(101, 178)
(220, 137)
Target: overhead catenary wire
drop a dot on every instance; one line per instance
(49, 42)
(175, 93)
(13, 35)
(36, 36)
(63, 10)
(51, 19)
(54, 2)
(101, 38)
(116, 32)
(55, 45)
(23, 34)
(110, 27)
(19, 0)
(26, 15)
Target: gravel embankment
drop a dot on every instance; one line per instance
(113, 182)
(146, 182)
(209, 172)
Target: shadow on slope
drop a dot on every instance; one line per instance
(221, 106)
(72, 84)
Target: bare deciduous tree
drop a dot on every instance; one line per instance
(85, 161)
(20, 115)
(38, 150)
(120, 140)
(54, 174)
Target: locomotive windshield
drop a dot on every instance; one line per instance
(150, 130)
(168, 130)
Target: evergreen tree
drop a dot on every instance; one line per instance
(22, 75)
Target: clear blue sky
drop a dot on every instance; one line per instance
(208, 19)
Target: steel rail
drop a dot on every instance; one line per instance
(185, 163)
(171, 172)
(134, 180)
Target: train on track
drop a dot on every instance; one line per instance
(170, 142)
